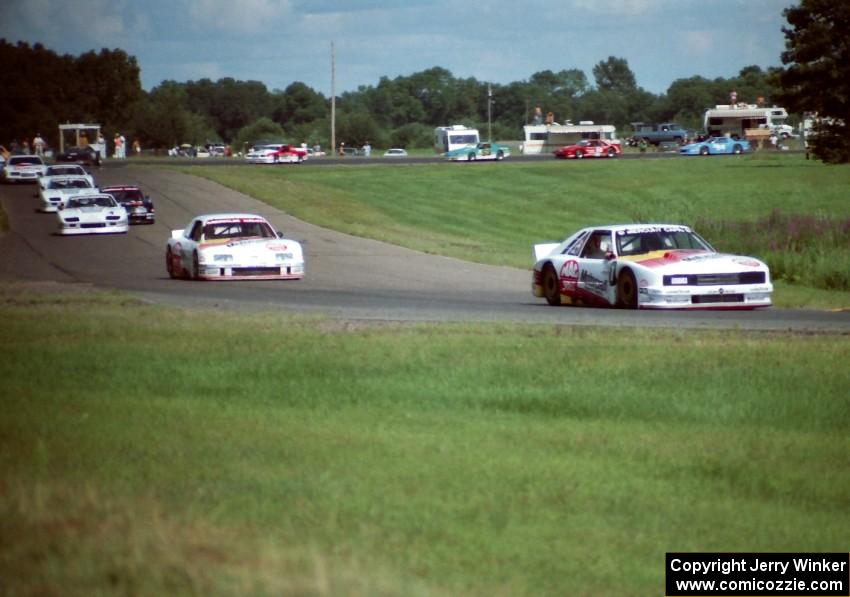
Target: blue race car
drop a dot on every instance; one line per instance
(481, 151)
(716, 145)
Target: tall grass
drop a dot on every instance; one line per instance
(808, 249)
(213, 453)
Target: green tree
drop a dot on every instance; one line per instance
(816, 77)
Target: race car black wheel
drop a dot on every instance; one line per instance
(551, 286)
(579, 155)
(169, 263)
(471, 157)
(500, 155)
(611, 153)
(736, 149)
(626, 290)
(703, 150)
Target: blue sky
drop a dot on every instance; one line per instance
(500, 41)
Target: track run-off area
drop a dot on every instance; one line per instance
(347, 277)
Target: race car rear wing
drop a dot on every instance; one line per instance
(544, 249)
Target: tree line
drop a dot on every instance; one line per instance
(43, 89)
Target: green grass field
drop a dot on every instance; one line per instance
(207, 452)
(493, 213)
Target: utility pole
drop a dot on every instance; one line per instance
(333, 100)
(489, 110)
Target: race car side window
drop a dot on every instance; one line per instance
(575, 247)
(195, 235)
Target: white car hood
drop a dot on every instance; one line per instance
(693, 262)
(251, 248)
(94, 213)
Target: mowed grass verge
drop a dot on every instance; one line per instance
(149, 450)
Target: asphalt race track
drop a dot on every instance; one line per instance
(347, 277)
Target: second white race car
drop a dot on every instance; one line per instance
(232, 246)
(58, 189)
(647, 266)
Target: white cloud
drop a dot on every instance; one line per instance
(241, 16)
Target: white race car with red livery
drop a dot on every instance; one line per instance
(276, 153)
(232, 246)
(647, 266)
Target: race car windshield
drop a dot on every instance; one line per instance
(637, 243)
(91, 202)
(128, 195)
(237, 230)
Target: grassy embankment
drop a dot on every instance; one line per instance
(792, 213)
(150, 451)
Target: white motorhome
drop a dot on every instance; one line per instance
(733, 120)
(447, 138)
(546, 138)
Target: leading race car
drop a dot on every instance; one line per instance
(589, 148)
(647, 266)
(60, 188)
(481, 151)
(92, 214)
(716, 145)
(232, 246)
(23, 168)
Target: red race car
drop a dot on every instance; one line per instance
(589, 148)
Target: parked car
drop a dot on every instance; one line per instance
(232, 246)
(140, 209)
(92, 214)
(715, 146)
(59, 189)
(481, 151)
(23, 168)
(395, 153)
(647, 266)
(79, 155)
(589, 148)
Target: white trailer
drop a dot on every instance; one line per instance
(546, 138)
(733, 120)
(447, 138)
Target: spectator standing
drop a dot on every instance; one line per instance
(367, 149)
(25, 147)
(38, 143)
(123, 147)
(137, 147)
(117, 141)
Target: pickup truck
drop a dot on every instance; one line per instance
(659, 133)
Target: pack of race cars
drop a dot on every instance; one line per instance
(227, 246)
(634, 266)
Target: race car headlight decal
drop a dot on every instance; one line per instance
(283, 256)
(223, 258)
(72, 219)
(674, 280)
(113, 218)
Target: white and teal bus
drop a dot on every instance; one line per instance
(448, 138)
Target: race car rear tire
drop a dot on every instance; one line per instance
(500, 156)
(736, 149)
(169, 263)
(579, 155)
(626, 290)
(471, 157)
(196, 268)
(703, 150)
(611, 153)
(551, 285)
